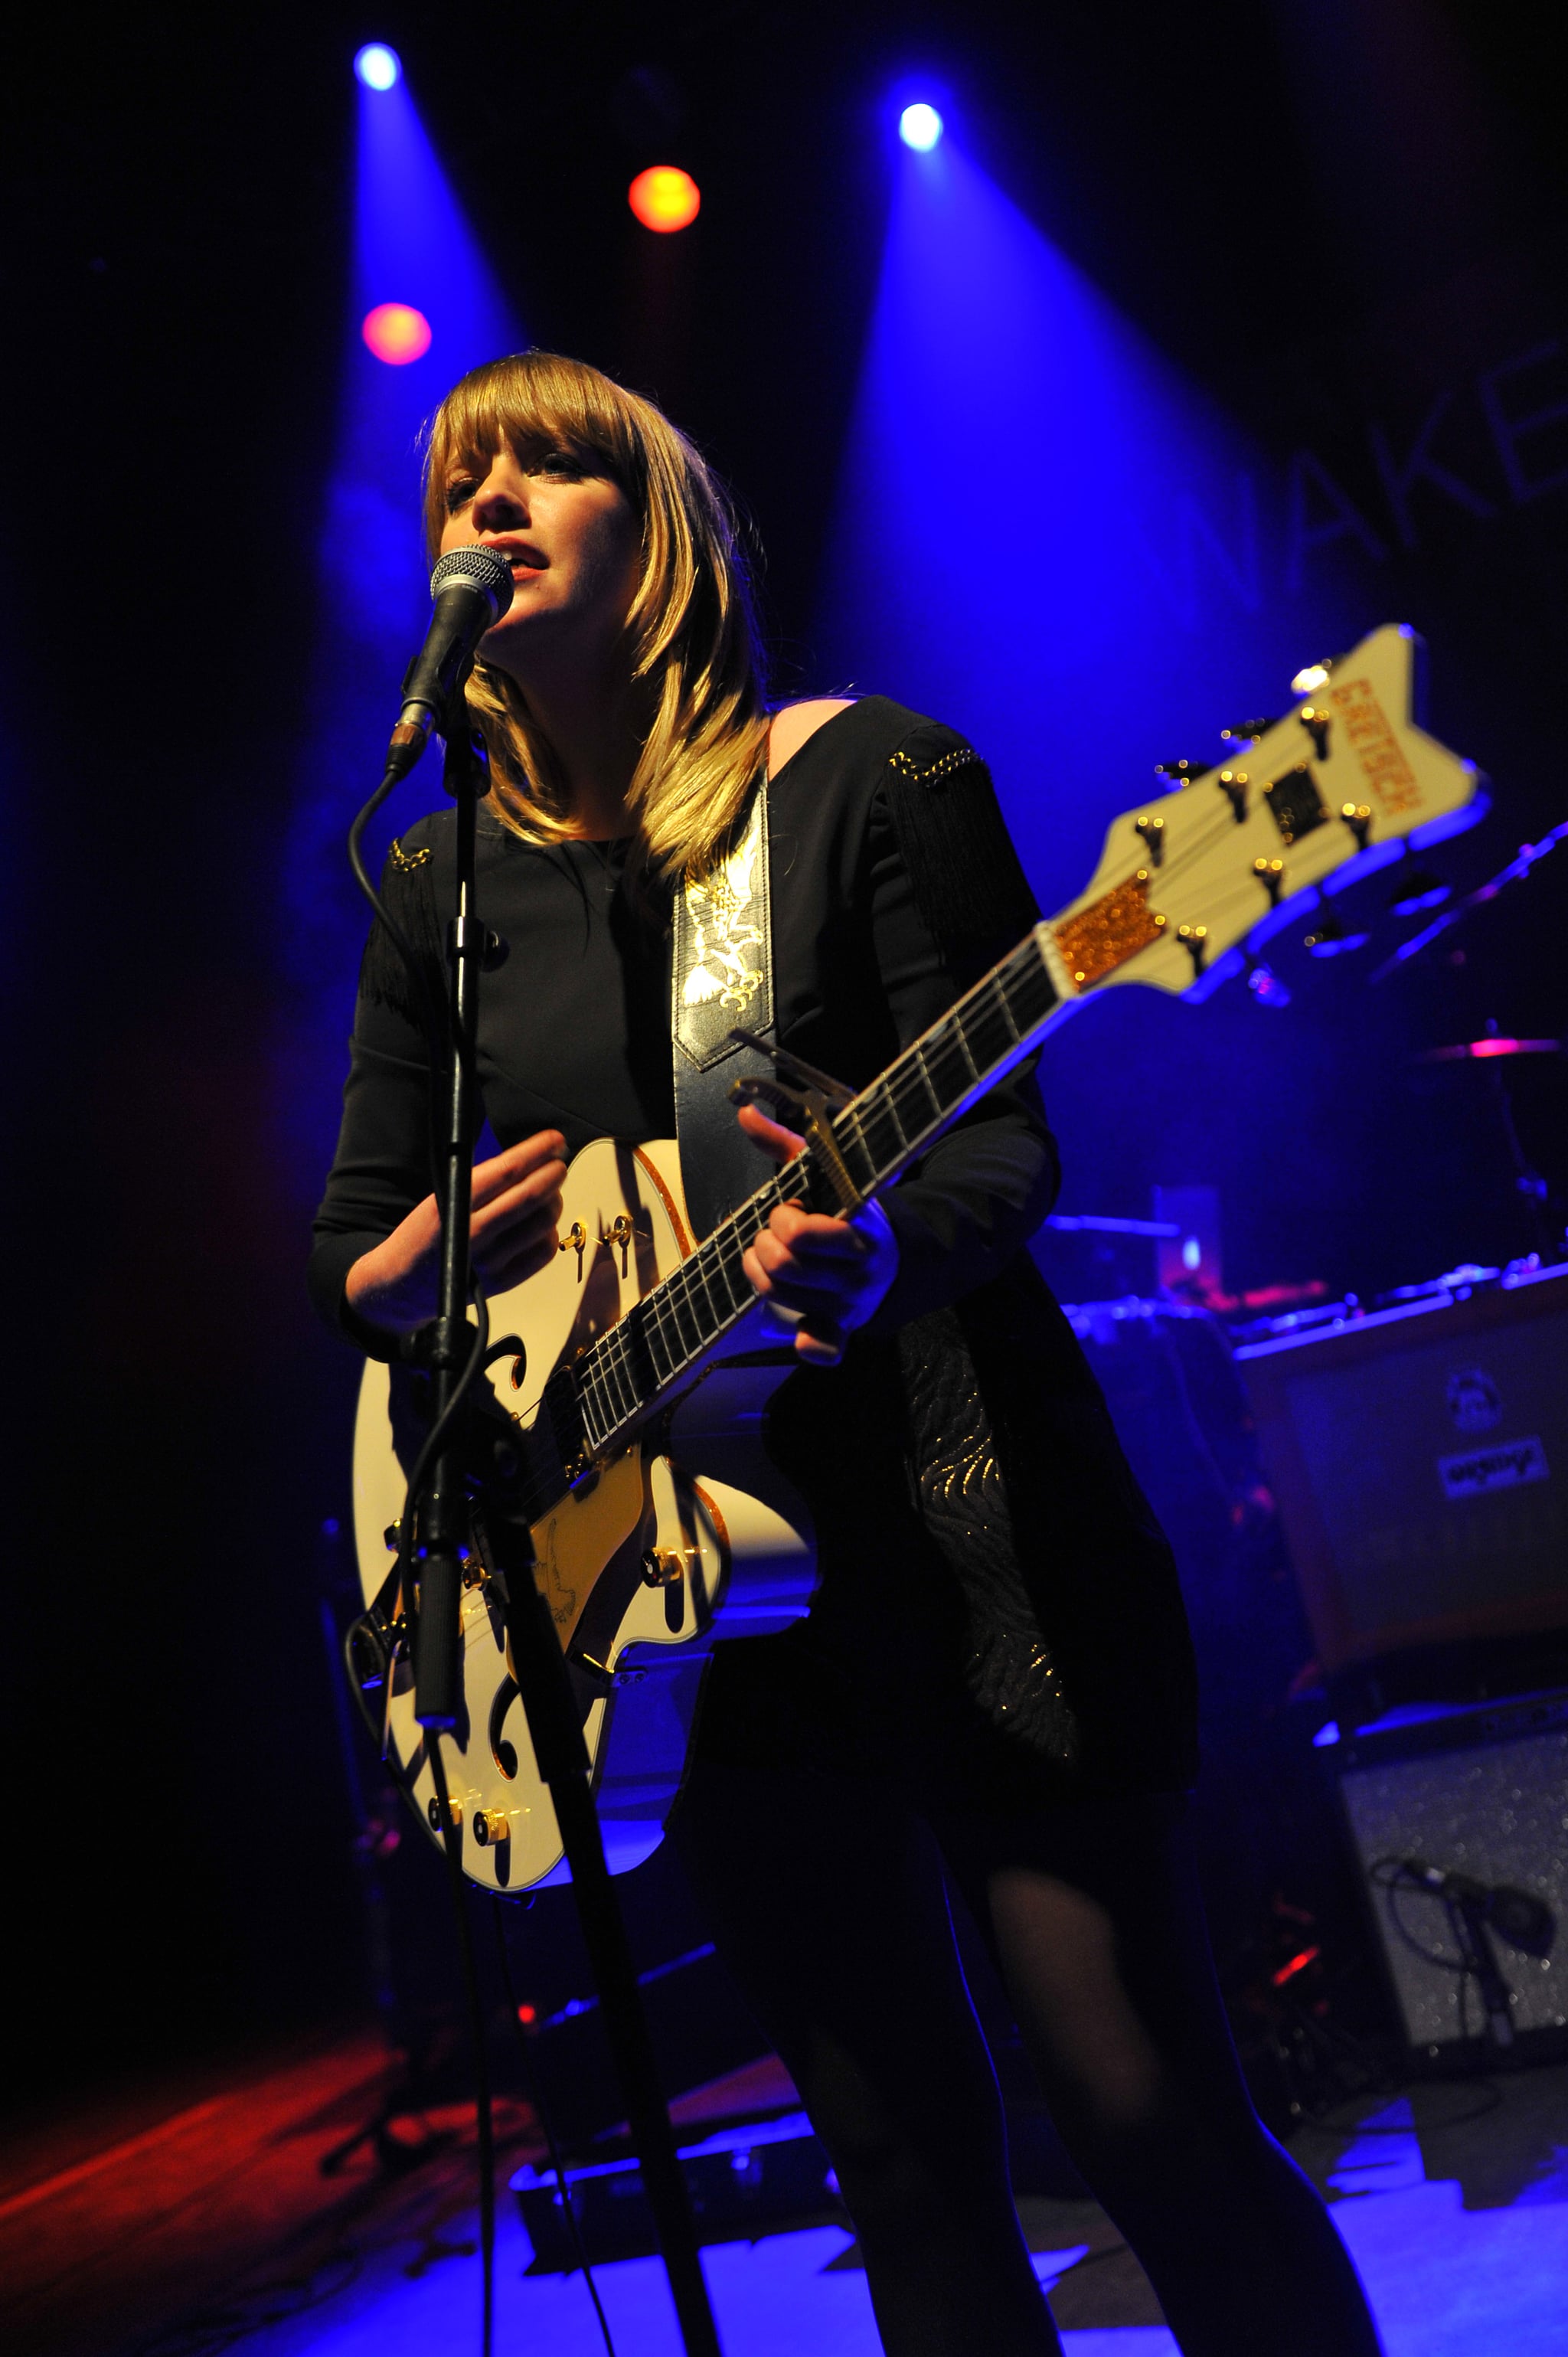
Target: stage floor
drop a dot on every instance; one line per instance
(215, 2229)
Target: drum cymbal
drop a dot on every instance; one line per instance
(1492, 1045)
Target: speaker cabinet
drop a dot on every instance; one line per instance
(1419, 1455)
(1479, 1793)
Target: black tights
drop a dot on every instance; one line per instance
(827, 1902)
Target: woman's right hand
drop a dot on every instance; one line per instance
(511, 1235)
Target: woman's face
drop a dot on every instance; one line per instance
(575, 549)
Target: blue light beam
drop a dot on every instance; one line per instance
(1043, 532)
(411, 246)
(1047, 536)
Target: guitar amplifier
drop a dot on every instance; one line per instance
(1419, 1455)
(1477, 1798)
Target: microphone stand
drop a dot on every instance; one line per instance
(555, 1727)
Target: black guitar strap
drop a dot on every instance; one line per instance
(721, 974)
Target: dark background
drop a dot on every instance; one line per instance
(1323, 212)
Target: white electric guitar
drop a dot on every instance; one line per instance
(626, 1437)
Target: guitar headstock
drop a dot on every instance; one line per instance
(1191, 880)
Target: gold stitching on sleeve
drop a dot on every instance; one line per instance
(957, 759)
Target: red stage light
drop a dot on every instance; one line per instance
(664, 197)
(527, 2014)
(1298, 1965)
(396, 333)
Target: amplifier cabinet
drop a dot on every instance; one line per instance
(1482, 1792)
(1419, 1457)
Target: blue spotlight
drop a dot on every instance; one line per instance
(921, 128)
(421, 308)
(378, 67)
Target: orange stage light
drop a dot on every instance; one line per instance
(664, 197)
(396, 333)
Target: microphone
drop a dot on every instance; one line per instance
(472, 590)
(1525, 1922)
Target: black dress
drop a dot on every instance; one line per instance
(998, 1617)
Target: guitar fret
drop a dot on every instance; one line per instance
(1004, 997)
(880, 1128)
(668, 1341)
(859, 1161)
(1028, 989)
(625, 1388)
(602, 1375)
(728, 1252)
(705, 1267)
(948, 1065)
(988, 1034)
(913, 1113)
(683, 1312)
(605, 1373)
(589, 1411)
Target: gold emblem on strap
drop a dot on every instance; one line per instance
(721, 954)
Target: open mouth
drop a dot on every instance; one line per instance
(520, 560)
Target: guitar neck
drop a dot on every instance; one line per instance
(975, 1044)
(1188, 881)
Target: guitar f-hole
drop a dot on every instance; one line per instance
(503, 1751)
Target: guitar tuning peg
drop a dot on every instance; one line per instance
(1182, 772)
(1246, 732)
(1315, 724)
(1232, 784)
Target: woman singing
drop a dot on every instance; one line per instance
(996, 1677)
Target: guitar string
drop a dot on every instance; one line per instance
(610, 1358)
(613, 1390)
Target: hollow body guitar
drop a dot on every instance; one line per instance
(621, 1451)
(636, 1555)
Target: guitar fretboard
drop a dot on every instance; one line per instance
(975, 1044)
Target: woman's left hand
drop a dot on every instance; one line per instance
(820, 1277)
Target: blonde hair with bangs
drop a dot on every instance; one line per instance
(690, 633)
